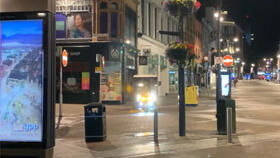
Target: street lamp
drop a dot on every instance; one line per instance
(264, 59)
(216, 15)
(278, 67)
(127, 41)
(235, 39)
(237, 49)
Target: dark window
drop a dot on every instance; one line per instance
(143, 15)
(115, 6)
(114, 24)
(150, 19)
(103, 5)
(103, 25)
(156, 23)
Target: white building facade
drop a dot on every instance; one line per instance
(151, 19)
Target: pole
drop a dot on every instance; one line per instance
(218, 77)
(60, 94)
(182, 112)
(156, 126)
(229, 125)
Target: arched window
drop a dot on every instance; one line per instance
(103, 23)
(114, 24)
(114, 6)
(103, 5)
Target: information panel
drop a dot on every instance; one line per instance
(225, 85)
(21, 80)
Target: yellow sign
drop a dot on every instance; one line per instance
(98, 69)
(191, 97)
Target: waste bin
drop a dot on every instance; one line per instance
(222, 106)
(95, 122)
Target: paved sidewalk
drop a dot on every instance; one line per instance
(130, 133)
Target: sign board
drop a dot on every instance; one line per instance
(219, 60)
(143, 60)
(22, 78)
(64, 58)
(191, 96)
(226, 83)
(228, 61)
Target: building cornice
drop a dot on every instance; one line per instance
(152, 41)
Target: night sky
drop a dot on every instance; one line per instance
(259, 17)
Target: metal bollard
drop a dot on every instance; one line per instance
(229, 125)
(156, 126)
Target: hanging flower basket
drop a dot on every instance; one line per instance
(179, 53)
(186, 7)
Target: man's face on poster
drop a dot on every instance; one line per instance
(78, 20)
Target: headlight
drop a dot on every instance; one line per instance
(140, 84)
(138, 97)
(153, 97)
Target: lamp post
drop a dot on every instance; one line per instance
(278, 68)
(217, 15)
(181, 11)
(252, 70)
(242, 69)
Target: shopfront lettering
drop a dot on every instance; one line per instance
(75, 53)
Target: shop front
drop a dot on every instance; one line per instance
(95, 72)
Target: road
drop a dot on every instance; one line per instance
(130, 133)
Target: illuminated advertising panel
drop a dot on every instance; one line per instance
(21, 80)
(225, 85)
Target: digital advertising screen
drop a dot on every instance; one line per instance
(21, 80)
(225, 85)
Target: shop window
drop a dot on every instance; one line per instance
(114, 24)
(76, 78)
(103, 22)
(103, 5)
(115, 6)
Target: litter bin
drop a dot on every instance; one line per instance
(95, 122)
(222, 106)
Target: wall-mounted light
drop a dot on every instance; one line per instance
(127, 41)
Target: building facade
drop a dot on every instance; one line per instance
(152, 44)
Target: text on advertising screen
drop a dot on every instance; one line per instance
(21, 80)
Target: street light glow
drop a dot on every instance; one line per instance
(235, 39)
(237, 49)
(278, 56)
(216, 15)
(127, 42)
(264, 59)
(226, 49)
(222, 19)
(271, 59)
(243, 63)
(221, 40)
(253, 65)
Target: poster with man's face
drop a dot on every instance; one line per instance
(79, 25)
(73, 19)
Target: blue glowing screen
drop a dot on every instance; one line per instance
(21, 80)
